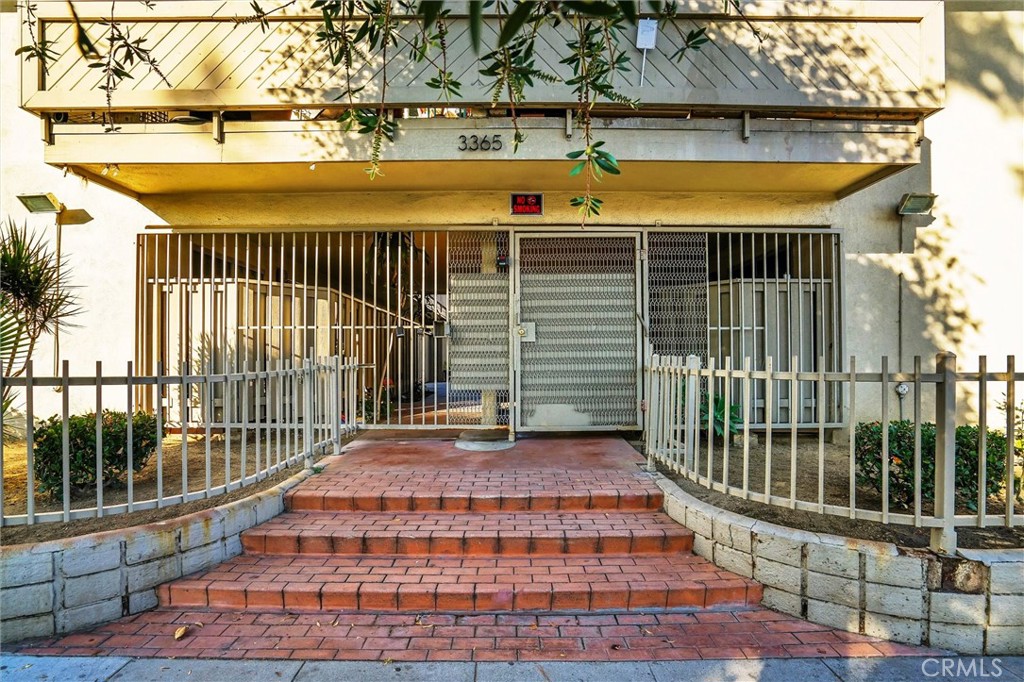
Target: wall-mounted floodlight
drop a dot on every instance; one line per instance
(40, 203)
(916, 204)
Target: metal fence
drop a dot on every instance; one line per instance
(843, 471)
(244, 427)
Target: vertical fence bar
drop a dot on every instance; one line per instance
(983, 440)
(769, 396)
(226, 421)
(669, 435)
(278, 407)
(99, 439)
(668, 420)
(943, 537)
(129, 381)
(158, 410)
(822, 404)
(30, 457)
(726, 421)
(1011, 435)
(66, 441)
(208, 446)
(307, 426)
(185, 399)
(653, 403)
(259, 417)
(793, 409)
(243, 455)
(917, 441)
(353, 392)
(691, 427)
(747, 406)
(885, 438)
(711, 417)
(336, 406)
(851, 420)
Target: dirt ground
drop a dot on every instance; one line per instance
(836, 489)
(144, 485)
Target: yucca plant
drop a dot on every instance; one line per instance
(35, 297)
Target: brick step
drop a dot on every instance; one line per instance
(397, 583)
(498, 533)
(461, 491)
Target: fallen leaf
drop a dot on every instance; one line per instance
(198, 624)
(388, 661)
(318, 623)
(647, 632)
(181, 632)
(615, 647)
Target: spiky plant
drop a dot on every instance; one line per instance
(35, 298)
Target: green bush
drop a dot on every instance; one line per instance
(48, 449)
(868, 444)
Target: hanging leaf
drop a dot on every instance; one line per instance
(476, 22)
(514, 22)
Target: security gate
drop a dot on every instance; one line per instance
(575, 331)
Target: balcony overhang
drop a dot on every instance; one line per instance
(719, 155)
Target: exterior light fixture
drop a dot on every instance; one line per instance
(40, 203)
(916, 204)
(48, 203)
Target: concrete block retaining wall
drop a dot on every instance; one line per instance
(65, 585)
(972, 603)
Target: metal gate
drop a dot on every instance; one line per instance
(576, 330)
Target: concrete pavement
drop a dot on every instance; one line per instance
(16, 668)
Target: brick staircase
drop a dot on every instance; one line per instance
(519, 534)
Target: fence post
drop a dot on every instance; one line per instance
(653, 405)
(943, 538)
(307, 414)
(336, 407)
(692, 398)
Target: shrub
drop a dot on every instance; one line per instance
(868, 446)
(82, 439)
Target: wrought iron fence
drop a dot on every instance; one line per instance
(894, 467)
(233, 429)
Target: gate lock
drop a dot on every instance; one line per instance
(527, 331)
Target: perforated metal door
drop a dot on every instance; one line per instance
(576, 332)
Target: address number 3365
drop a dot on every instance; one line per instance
(479, 143)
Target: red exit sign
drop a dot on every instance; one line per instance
(526, 204)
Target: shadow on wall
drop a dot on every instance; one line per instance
(983, 53)
(937, 285)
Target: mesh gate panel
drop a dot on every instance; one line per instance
(677, 266)
(478, 349)
(581, 295)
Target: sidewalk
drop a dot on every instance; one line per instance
(15, 668)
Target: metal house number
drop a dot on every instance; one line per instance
(479, 143)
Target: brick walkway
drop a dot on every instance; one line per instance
(416, 551)
(677, 635)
